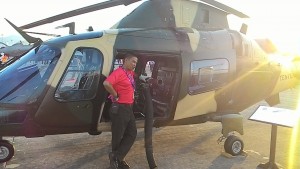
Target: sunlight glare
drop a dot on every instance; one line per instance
(284, 60)
(293, 143)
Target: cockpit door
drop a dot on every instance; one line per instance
(75, 94)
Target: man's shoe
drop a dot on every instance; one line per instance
(124, 165)
(114, 163)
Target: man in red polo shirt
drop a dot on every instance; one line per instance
(120, 84)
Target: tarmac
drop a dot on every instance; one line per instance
(176, 147)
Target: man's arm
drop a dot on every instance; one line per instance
(110, 89)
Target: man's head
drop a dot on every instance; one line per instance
(130, 61)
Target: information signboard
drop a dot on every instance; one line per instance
(275, 115)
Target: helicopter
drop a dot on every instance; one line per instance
(14, 50)
(191, 69)
(9, 54)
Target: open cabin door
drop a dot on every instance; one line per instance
(161, 71)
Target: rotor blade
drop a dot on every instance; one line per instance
(79, 11)
(46, 34)
(226, 8)
(27, 37)
(70, 25)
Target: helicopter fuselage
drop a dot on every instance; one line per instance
(194, 75)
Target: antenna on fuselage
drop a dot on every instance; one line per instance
(244, 28)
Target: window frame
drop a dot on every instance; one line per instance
(215, 74)
(86, 76)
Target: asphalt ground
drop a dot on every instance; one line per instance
(176, 147)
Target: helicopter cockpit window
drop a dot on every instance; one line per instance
(24, 80)
(80, 81)
(208, 75)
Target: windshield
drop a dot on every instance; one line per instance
(24, 80)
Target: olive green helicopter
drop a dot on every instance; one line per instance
(192, 68)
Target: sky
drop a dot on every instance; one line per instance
(274, 19)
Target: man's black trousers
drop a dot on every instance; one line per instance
(123, 129)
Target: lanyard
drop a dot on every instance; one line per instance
(130, 78)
